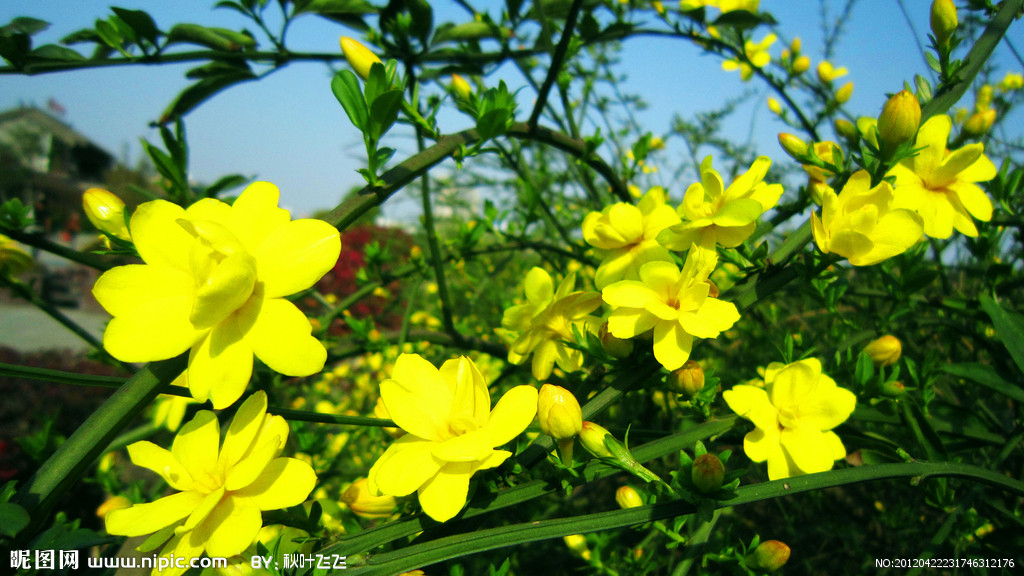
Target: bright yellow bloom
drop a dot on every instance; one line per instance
(626, 236)
(364, 504)
(757, 56)
(673, 303)
(884, 351)
(827, 73)
(713, 214)
(860, 224)
(543, 325)
(980, 122)
(940, 185)
(359, 57)
(730, 5)
(13, 260)
(451, 431)
(794, 414)
(222, 487)
(106, 212)
(214, 282)
(1012, 81)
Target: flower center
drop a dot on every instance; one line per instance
(224, 273)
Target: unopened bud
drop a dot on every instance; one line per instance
(559, 414)
(13, 260)
(688, 380)
(366, 505)
(894, 389)
(707, 473)
(793, 146)
(943, 20)
(884, 351)
(980, 122)
(846, 129)
(827, 72)
(592, 437)
(844, 93)
(615, 347)
(769, 556)
(628, 497)
(774, 106)
(460, 87)
(899, 121)
(578, 544)
(983, 100)
(801, 64)
(106, 212)
(359, 57)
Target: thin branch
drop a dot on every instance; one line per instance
(556, 62)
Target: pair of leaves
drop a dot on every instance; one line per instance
(373, 113)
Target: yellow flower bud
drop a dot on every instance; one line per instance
(796, 45)
(844, 93)
(656, 143)
(801, 65)
(688, 380)
(769, 556)
(106, 212)
(1011, 82)
(111, 504)
(894, 389)
(359, 57)
(983, 100)
(460, 87)
(774, 106)
(592, 438)
(707, 473)
(615, 347)
(628, 497)
(884, 351)
(943, 20)
(578, 544)
(899, 121)
(558, 412)
(658, 7)
(793, 146)
(846, 129)
(366, 505)
(980, 122)
(827, 72)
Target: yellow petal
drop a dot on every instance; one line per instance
(827, 406)
(471, 401)
(659, 277)
(732, 236)
(208, 209)
(671, 344)
(894, 234)
(243, 429)
(255, 215)
(230, 528)
(219, 367)
(280, 335)
(739, 212)
(751, 402)
(628, 293)
(538, 286)
(512, 415)
(161, 461)
(210, 501)
(933, 135)
(158, 237)
(835, 445)
(973, 199)
(713, 317)
(956, 162)
(808, 449)
(781, 465)
(405, 466)
(445, 494)
(143, 519)
(469, 447)
(295, 256)
(224, 290)
(284, 482)
(196, 445)
(630, 322)
(793, 383)
(138, 287)
(762, 444)
(246, 471)
(418, 398)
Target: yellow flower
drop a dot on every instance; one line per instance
(359, 57)
(106, 212)
(673, 303)
(980, 122)
(827, 73)
(222, 487)
(801, 64)
(829, 152)
(543, 325)
(860, 224)
(214, 282)
(451, 431)
(1012, 81)
(460, 87)
(626, 236)
(940, 185)
(794, 414)
(13, 260)
(713, 214)
(884, 351)
(757, 56)
(364, 504)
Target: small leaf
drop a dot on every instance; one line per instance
(927, 439)
(13, 519)
(1009, 327)
(24, 25)
(345, 86)
(987, 377)
(199, 92)
(140, 22)
(384, 112)
(55, 52)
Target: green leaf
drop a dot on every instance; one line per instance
(927, 439)
(12, 519)
(225, 183)
(466, 31)
(987, 377)
(24, 25)
(345, 86)
(140, 22)
(201, 91)
(743, 19)
(55, 52)
(493, 123)
(214, 38)
(384, 112)
(1009, 327)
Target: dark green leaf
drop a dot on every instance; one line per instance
(927, 439)
(24, 25)
(225, 183)
(214, 38)
(345, 86)
(55, 52)
(743, 19)
(199, 92)
(1009, 327)
(12, 519)
(384, 112)
(140, 22)
(987, 377)
(219, 68)
(15, 48)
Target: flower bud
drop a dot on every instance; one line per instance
(894, 389)
(884, 351)
(106, 212)
(713, 290)
(801, 64)
(846, 129)
(366, 505)
(769, 556)
(578, 544)
(899, 121)
(359, 57)
(592, 437)
(943, 20)
(844, 93)
(558, 412)
(13, 260)
(983, 99)
(707, 473)
(460, 87)
(827, 73)
(628, 497)
(111, 504)
(615, 347)
(980, 122)
(774, 106)
(793, 146)
(688, 379)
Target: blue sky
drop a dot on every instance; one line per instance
(289, 129)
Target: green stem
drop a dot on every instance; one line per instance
(68, 464)
(458, 545)
(101, 263)
(556, 62)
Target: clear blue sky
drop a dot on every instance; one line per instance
(289, 129)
